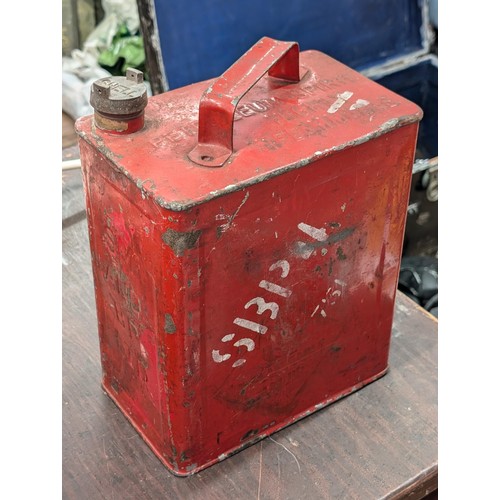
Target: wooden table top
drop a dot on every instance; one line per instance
(380, 442)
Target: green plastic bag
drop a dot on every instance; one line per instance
(126, 51)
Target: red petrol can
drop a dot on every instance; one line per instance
(245, 244)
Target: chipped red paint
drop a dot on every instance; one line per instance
(122, 233)
(233, 300)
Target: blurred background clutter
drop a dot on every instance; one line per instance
(99, 38)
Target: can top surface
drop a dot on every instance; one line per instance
(278, 126)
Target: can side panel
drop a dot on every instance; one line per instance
(133, 284)
(182, 336)
(295, 297)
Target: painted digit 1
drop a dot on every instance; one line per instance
(318, 234)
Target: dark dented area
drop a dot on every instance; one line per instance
(333, 238)
(179, 242)
(169, 326)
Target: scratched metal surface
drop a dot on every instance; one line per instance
(380, 442)
(333, 106)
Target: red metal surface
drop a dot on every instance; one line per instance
(233, 301)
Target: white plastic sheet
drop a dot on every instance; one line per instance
(81, 69)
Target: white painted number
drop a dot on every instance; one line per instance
(306, 250)
(273, 288)
(250, 325)
(313, 232)
(248, 343)
(218, 358)
(284, 265)
(262, 306)
(340, 101)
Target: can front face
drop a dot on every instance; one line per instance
(291, 291)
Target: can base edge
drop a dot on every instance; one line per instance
(255, 439)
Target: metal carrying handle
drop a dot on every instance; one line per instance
(218, 103)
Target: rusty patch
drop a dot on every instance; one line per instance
(169, 326)
(146, 184)
(108, 124)
(250, 433)
(340, 254)
(334, 238)
(180, 242)
(101, 146)
(251, 403)
(115, 385)
(306, 248)
(144, 362)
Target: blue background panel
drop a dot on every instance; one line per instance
(200, 39)
(419, 83)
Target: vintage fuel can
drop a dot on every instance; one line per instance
(246, 235)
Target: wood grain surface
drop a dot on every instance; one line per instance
(380, 442)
